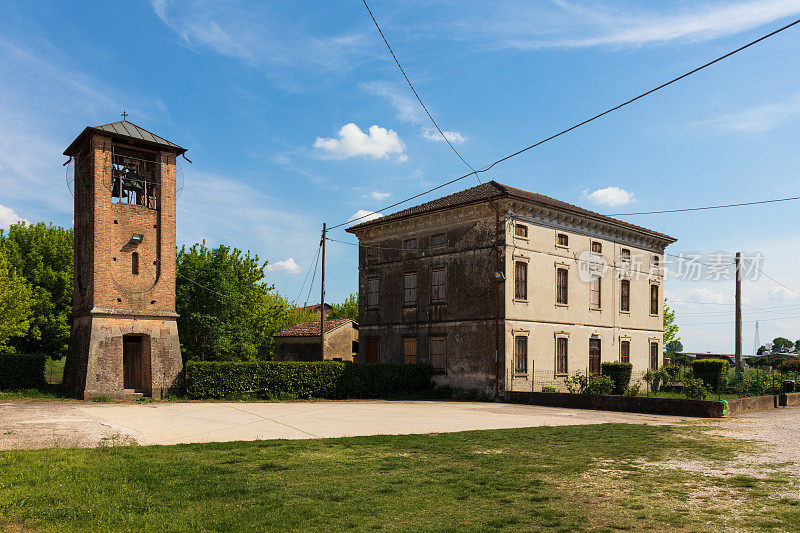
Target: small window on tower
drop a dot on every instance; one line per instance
(135, 263)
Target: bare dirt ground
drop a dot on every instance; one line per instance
(44, 424)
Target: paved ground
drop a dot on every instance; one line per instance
(39, 424)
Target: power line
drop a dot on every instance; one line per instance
(408, 81)
(312, 280)
(773, 279)
(704, 208)
(578, 125)
(300, 293)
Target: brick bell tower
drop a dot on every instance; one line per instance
(124, 337)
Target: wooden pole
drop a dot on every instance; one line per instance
(738, 341)
(322, 299)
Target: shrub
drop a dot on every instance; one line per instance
(600, 385)
(619, 373)
(710, 371)
(693, 389)
(576, 384)
(549, 389)
(21, 371)
(329, 379)
(789, 365)
(633, 390)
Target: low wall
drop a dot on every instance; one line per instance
(741, 406)
(655, 406)
(634, 404)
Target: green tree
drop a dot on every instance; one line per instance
(42, 254)
(227, 311)
(782, 345)
(670, 327)
(797, 346)
(674, 346)
(15, 303)
(346, 309)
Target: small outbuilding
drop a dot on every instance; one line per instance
(301, 341)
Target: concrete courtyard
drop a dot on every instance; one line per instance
(41, 424)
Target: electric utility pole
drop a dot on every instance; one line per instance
(738, 342)
(322, 299)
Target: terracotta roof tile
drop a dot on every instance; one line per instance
(493, 190)
(310, 328)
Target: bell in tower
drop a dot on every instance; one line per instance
(124, 333)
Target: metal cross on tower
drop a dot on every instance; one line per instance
(124, 115)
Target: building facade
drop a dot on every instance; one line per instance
(501, 290)
(124, 334)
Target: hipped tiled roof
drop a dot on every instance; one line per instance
(492, 190)
(310, 328)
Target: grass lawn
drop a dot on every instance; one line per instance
(579, 478)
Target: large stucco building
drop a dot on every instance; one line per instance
(502, 289)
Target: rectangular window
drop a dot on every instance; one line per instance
(410, 350)
(561, 286)
(594, 293)
(521, 355)
(371, 250)
(597, 247)
(520, 280)
(654, 356)
(561, 356)
(625, 295)
(410, 244)
(654, 304)
(563, 239)
(438, 239)
(594, 356)
(439, 353)
(135, 263)
(625, 255)
(438, 282)
(410, 289)
(520, 230)
(372, 292)
(372, 350)
(625, 351)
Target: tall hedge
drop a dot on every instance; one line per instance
(620, 374)
(329, 379)
(710, 371)
(21, 371)
(789, 365)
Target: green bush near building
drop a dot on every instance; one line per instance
(285, 380)
(21, 371)
(710, 371)
(620, 374)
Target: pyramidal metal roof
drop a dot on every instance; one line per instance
(125, 130)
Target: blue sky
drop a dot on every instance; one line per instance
(294, 114)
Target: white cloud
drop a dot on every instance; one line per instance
(610, 196)
(378, 143)
(453, 136)
(261, 34)
(375, 195)
(287, 266)
(406, 107)
(781, 294)
(363, 215)
(8, 217)
(568, 25)
(759, 119)
(705, 295)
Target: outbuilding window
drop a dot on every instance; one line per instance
(625, 295)
(410, 289)
(439, 353)
(410, 350)
(521, 280)
(438, 283)
(372, 292)
(561, 286)
(654, 303)
(625, 351)
(562, 355)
